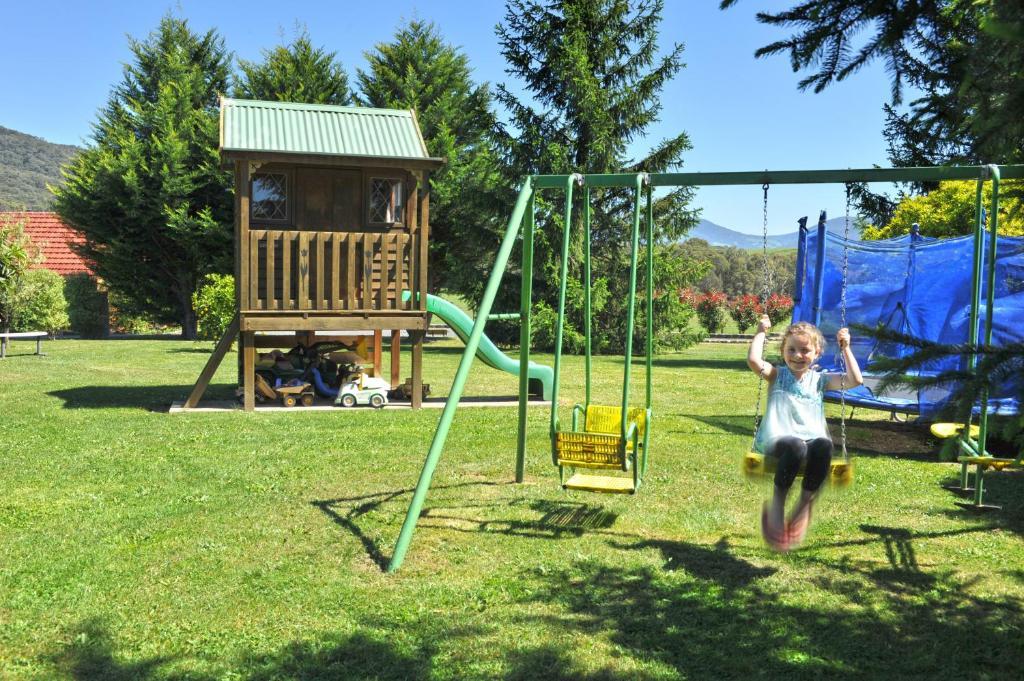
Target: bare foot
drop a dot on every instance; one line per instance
(775, 535)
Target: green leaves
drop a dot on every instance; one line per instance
(296, 73)
(148, 194)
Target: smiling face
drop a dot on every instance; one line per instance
(800, 352)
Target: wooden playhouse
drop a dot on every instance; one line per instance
(331, 226)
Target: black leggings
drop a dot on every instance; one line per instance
(814, 456)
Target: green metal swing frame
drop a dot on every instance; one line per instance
(521, 224)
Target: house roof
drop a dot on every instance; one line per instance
(54, 239)
(320, 129)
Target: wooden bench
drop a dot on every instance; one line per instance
(6, 338)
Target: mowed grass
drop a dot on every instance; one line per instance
(135, 544)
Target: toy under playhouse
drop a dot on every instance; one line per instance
(331, 226)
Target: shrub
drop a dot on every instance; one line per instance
(87, 306)
(712, 310)
(38, 303)
(214, 303)
(779, 308)
(123, 318)
(746, 310)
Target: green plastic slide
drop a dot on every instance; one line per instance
(540, 376)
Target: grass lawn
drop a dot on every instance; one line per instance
(135, 544)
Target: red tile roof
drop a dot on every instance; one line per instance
(53, 238)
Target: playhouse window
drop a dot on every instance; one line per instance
(270, 197)
(387, 204)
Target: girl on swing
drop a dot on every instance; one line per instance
(793, 430)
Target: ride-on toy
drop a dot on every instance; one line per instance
(364, 390)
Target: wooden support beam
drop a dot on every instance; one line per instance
(221, 349)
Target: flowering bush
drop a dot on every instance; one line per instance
(778, 307)
(746, 310)
(712, 310)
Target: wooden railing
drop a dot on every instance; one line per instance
(302, 270)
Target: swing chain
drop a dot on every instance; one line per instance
(767, 289)
(842, 323)
(765, 292)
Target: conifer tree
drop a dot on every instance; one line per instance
(148, 192)
(963, 60)
(418, 70)
(592, 77)
(296, 73)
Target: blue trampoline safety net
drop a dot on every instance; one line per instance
(915, 285)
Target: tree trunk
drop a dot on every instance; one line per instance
(188, 315)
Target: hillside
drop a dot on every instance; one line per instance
(716, 235)
(27, 165)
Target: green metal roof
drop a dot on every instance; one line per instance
(286, 127)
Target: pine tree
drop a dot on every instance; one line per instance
(296, 73)
(418, 70)
(963, 59)
(592, 75)
(148, 192)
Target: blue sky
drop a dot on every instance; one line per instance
(60, 60)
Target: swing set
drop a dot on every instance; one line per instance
(613, 438)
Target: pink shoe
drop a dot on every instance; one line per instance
(796, 528)
(777, 540)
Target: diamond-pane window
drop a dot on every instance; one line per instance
(386, 201)
(270, 196)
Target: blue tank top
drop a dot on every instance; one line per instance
(795, 407)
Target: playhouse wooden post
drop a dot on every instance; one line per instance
(248, 354)
(416, 337)
(396, 357)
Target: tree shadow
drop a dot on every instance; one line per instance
(155, 398)
(715, 564)
(364, 654)
(685, 620)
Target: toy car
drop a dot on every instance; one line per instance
(364, 390)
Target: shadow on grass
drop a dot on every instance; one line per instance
(707, 613)
(361, 655)
(714, 564)
(1003, 489)
(156, 398)
(685, 623)
(558, 520)
(345, 511)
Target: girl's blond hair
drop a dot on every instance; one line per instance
(804, 329)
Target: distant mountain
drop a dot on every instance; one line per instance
(716, 235)
(27, 165)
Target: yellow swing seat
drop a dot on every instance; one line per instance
(757, 465)
(944, 431)
(993, 462)
(599, 445)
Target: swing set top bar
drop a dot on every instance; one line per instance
(918, 174)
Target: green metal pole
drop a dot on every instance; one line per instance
(759, 177)
(650, 322)
(972, 331)
(586, 289)
(631, 306)
(525, 303)
(472, 343)
(990, 297)
(650, 292)
(570, 180)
